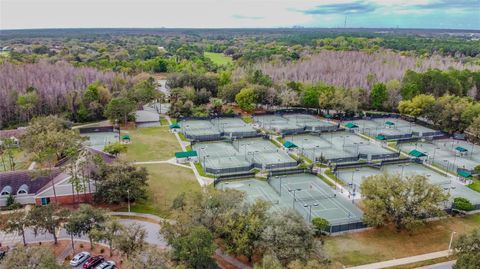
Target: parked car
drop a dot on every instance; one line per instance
(106, 265)
(93, 261)
(79, 258)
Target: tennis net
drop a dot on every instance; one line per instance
(312, 198)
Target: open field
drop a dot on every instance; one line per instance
(376, 245)
(218, 58)
(164, 187)
(151, 144)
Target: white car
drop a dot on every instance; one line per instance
(79, 258)
(106, 265)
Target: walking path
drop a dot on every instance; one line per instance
(403, 261)
(231, 260)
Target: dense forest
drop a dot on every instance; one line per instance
(91, 75)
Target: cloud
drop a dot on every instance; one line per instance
(450, 4)
(342, 8)
(244, 17)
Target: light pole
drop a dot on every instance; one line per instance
(450, 244)
(314, 156)
(294, 195)
(434, 151)
(128, 199)
(310, 210)
(280, 184)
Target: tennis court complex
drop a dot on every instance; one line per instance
(452, 155)
(339, 147)
(393, 129)
(354, 177)
(99, 140)
(307, 194)
(216, 128)
(241, 155)
(294, 123)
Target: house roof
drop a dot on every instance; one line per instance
(416, 153)
(16, 179)
(461, 149)
(464, 174)
(289, 144)
(351, 125)
(146, 116)
(185, 154)
(17, 133)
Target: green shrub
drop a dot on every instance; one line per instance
(320, 224)
(461, 203)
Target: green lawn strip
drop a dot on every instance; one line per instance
(165, 182)
(153, 143)
(281, 140)
(247, 119)
(218, 58)
(324, 179)
(331, 175)
(381, 244)
(201, 171)
(475, 185)
(182, 137)
(441, 169)
(163, 121)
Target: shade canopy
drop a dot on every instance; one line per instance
(126, 137)
(185, 154)
(416, 153)
(461, 149)
(464, 174)
(351, 125)
(289, 144)
(175, 126)
(389, 123)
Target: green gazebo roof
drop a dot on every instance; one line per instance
(380, 137)
(389, 123)
(185, 154)
(464, 174)
(289, 144)
(416, 153)
(461, 149)
(174, 126)
(351, 125)
(126, 137)
(329, 116)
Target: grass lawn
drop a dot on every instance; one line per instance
(331, 175)
(475, 185)
(218, 58)
(247, 119)
(166, 181)
(382, 244)
(21, 161)
(151, 144)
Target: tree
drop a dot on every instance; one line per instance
(321, 225)
(289, 237)
(418, 106)
(195, 249)
(151, 258)
(30, 258)
(15, 222)
(28, 101)
(130, 240)
(107, 231)
(84, 220)
(289, 98)
(145, 91)
(115, 148)
(463, 204)
(243, 229)
(120, 181)
(378, 96)
(269, 261)
(474, 130)
(405, 202)
(467, 249)
(46, 219)
(246, 99)
(119, 108)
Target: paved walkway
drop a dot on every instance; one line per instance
(403, 261)
(231, 260)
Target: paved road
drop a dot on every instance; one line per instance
(152, 237)
(443, 265)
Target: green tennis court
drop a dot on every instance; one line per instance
(354, 177)
(310, 192)
(99, 140)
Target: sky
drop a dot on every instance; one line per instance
(30, 14)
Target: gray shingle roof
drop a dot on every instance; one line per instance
(15, 179)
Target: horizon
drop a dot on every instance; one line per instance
(236, 14)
